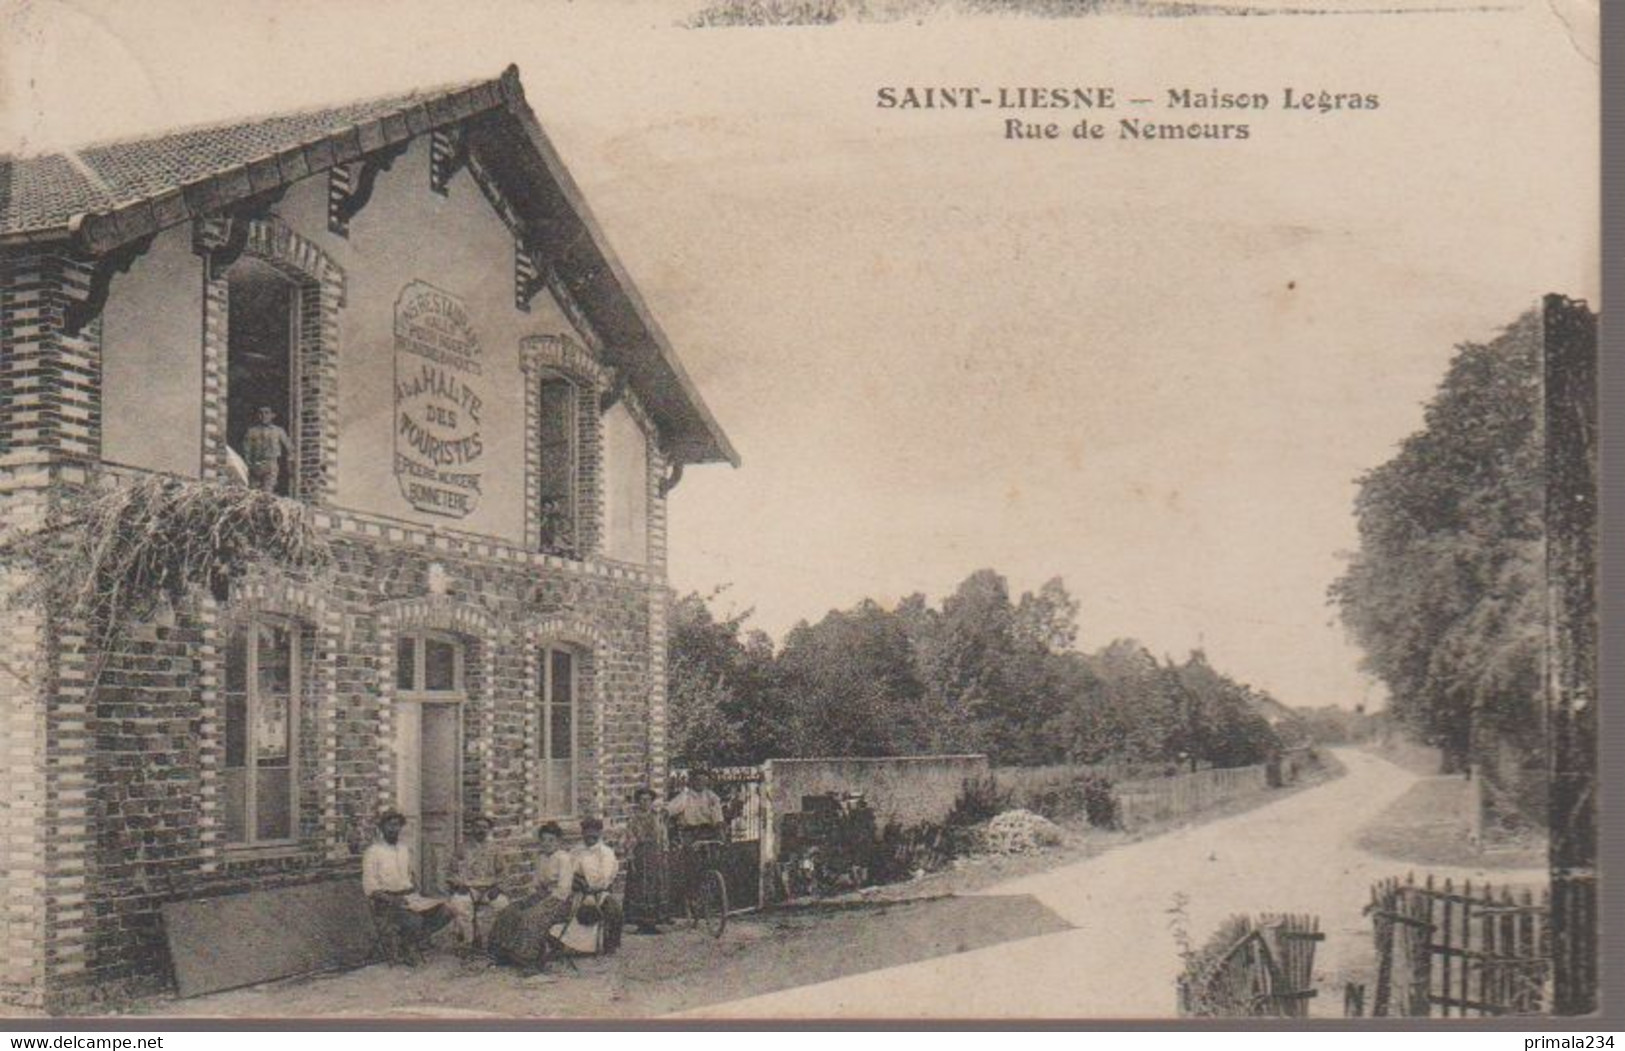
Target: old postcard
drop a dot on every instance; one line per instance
(863, 509)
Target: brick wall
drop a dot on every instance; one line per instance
(115, 800)
(115, 760)
(23, 657)
(155, 746)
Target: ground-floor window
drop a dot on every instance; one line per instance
(263, 684)
(559, 686)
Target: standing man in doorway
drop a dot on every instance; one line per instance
(265, 445)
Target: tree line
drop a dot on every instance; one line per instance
(1444, 594)
(981, 672)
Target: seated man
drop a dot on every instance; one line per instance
(475, 880)
(520, 934)
(595, 869)
(404, 917)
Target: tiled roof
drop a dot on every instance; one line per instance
(107, 196)
(41, 194)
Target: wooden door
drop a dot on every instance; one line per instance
(439, 794)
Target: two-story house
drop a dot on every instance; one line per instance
(483, 418)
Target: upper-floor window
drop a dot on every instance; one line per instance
(560, 463)
(626, 486)
(262, 388)
(264, 680)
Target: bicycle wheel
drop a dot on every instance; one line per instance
(712, 903)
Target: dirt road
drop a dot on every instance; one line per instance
(1295, 855)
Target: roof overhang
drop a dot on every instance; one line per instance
(557, 225)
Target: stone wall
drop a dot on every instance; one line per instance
(907, 790)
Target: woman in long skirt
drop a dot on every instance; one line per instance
(519, 934)
(648, 881)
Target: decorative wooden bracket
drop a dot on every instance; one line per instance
(80, 312)
(616, 391)
(221, 238)
(448, 155)
(529, 274)
(674, 474)
(350, 186)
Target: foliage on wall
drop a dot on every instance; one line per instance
(123, 554)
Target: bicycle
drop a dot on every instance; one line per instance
(705, 891)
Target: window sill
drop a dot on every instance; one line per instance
(245, 853)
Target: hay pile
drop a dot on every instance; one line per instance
(1021, 832)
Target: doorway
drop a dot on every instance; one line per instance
(429, 750)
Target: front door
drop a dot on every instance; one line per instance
(439, 802)
(429, 748)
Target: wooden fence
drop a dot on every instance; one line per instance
(1142, 802)
(1454, 951)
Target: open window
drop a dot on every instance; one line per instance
(262, 334)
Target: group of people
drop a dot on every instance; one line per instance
(571, 902)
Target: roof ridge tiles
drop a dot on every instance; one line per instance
(400, 99)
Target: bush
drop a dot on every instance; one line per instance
(980, 799)
(901, 852)
(1087, 794)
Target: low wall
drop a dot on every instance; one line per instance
(903, 789)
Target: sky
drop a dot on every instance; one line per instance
(1152, 369)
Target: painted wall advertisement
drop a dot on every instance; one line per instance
(439, 393)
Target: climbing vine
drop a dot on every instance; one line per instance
(121, 555)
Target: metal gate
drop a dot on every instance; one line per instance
(740, 789)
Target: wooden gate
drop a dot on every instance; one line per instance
(1253, 969)
(1453, 951)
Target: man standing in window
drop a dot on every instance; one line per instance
(405, 918)
(264, 446)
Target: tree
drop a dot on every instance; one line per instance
(718, 686)
(849, 685)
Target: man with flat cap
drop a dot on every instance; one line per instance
(404, 917)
